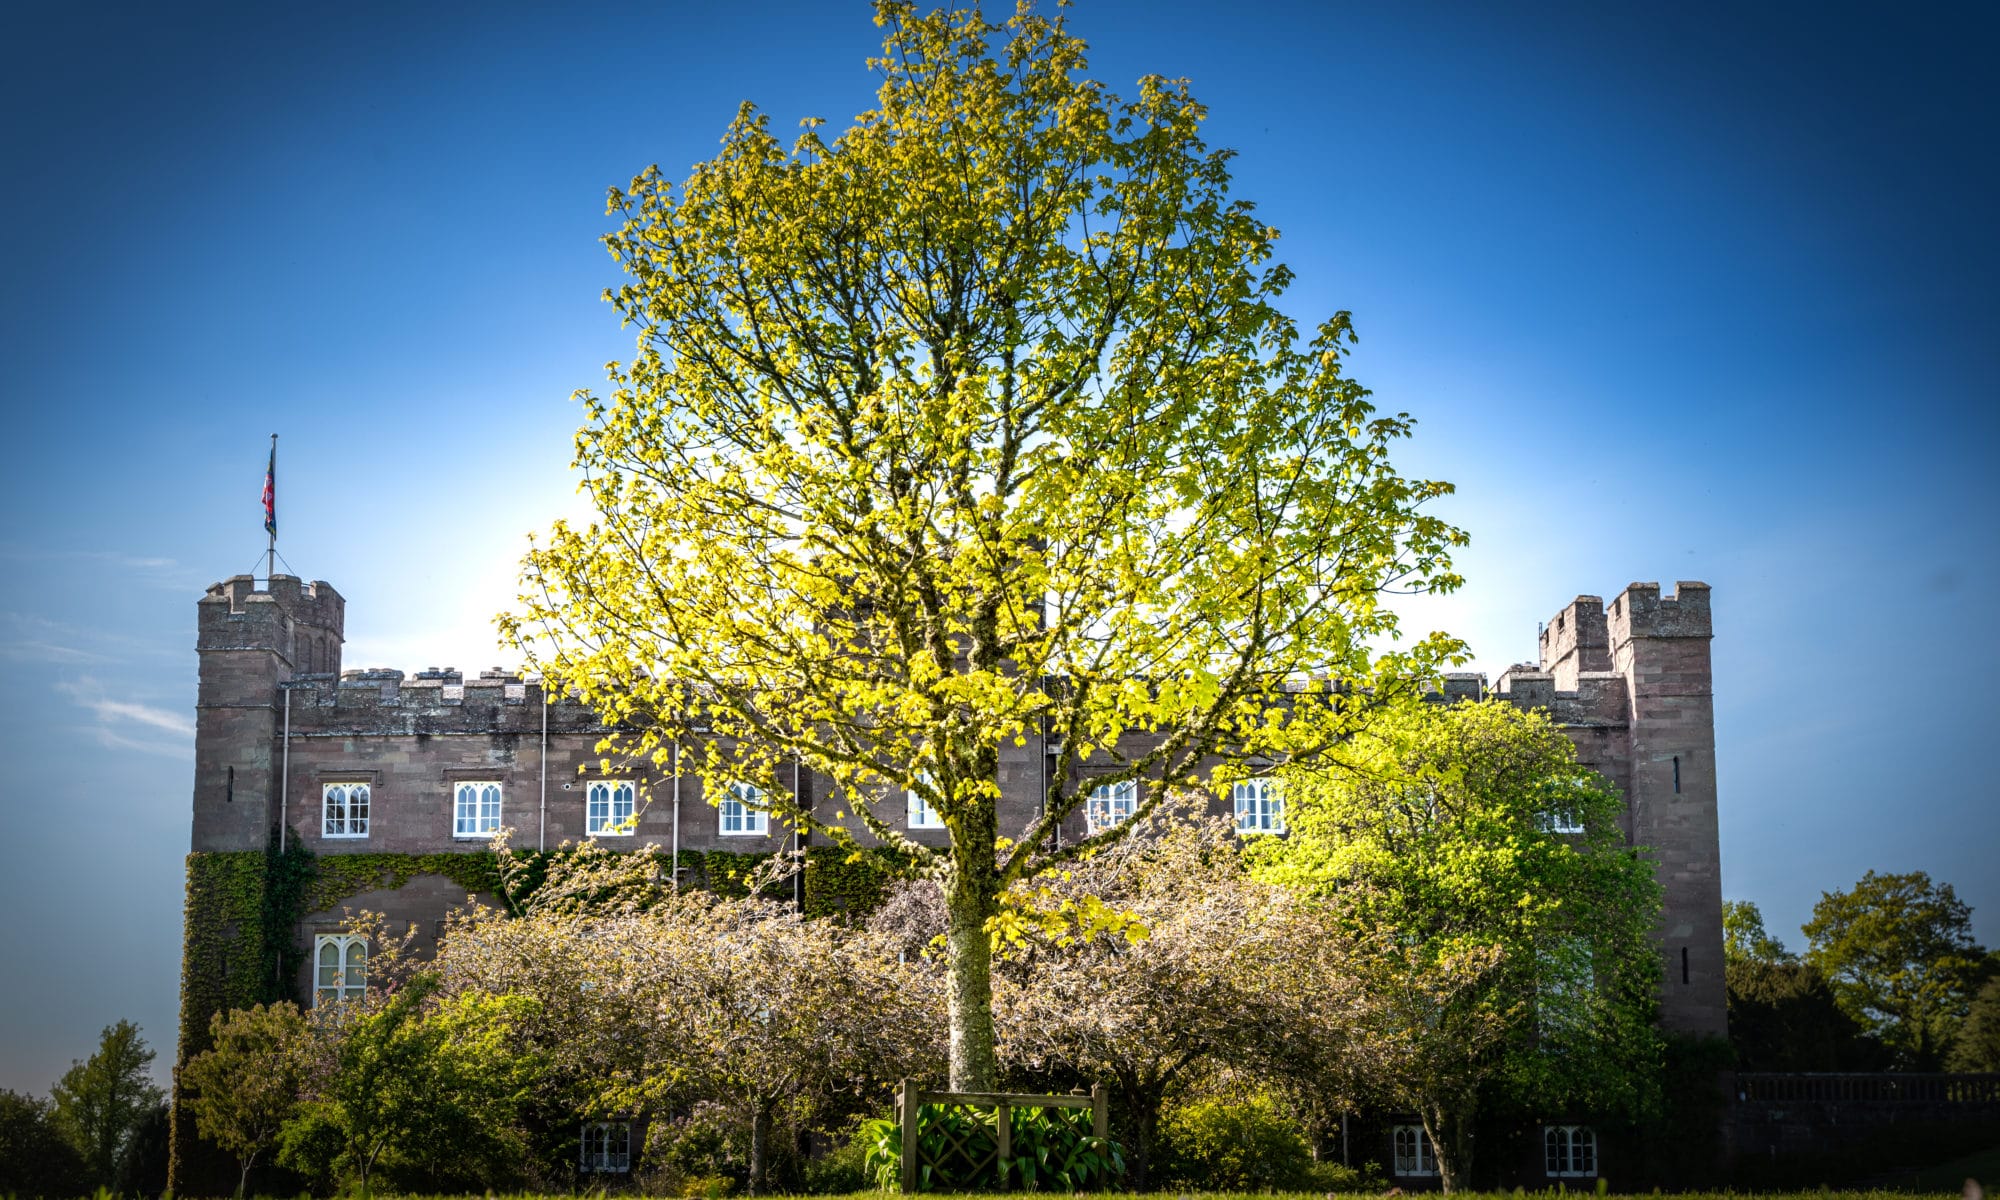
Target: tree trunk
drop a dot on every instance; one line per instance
(1450, 1132)
(969, 903)
(1144, 1103)
(760, 1146)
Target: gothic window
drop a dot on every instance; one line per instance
(344, 810)
(740, 817)
(1571, 1150)
(609, 808)
(340, 967)
(1111, 804)
(475, 809)
(1260, 807)
(1413, 1154)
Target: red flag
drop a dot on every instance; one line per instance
(271, 492)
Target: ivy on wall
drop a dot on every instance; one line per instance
(337, 877)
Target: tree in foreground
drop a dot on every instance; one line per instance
(1500, 921)
(429, 1088)
(246, 1084)
(744, 1007)
(35, 1158)
(977, 424)
(1194, 987)
(1899, 953)
(99, 1102)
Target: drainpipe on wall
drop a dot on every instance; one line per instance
(677, 814)
(285, 771)
(798, 843)
(542, 823)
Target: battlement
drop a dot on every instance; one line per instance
(302, 622)
(1597, 697)
(434, 700)
(1575, 641)
(1641, 612)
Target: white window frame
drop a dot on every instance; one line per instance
(1111, 805)
(736, 810)
(1260, 805)
(1570, 1151)
(469, 815)
(1562, 818)
(920, 813)
(350, 968)
(1412, 1152)
(344, 798)
(617, 794)
(602, 1159)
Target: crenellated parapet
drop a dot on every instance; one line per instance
(435, 701)
(302, 623)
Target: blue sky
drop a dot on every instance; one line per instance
(1675, 292)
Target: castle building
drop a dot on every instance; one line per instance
(396, 784)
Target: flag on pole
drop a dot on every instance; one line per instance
(271, 492)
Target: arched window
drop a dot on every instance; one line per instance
(1111, 804)
(475, 809)
(344, 810)
(609, 808)
(740, 816)
(1260, 806)
(1571, 1150)
(340, 967)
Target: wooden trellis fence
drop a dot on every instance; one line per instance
(909, 1099)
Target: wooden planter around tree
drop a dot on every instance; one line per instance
(909, 1099)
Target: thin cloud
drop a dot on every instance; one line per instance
(113, 740)
(47, 652)
(154, 570)
(113, 714)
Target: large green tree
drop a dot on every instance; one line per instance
(246, 1084)
(976, 424)
(99, 1102)
(1899, 952)
(430, 1089)
(1512, 926)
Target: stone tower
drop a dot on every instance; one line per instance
(250, 642)
(1630, 682)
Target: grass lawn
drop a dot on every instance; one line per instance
(1950, 1177)
(1927, 1191)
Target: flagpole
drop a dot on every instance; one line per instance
(271, 525)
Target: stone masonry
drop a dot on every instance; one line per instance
(278, 720)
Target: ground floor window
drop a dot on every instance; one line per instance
(340, 967)
(1413, 1151)
(607, 1146)
(1572, 1149)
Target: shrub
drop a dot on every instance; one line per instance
(1052, 1148)
(1211, 1145)
(841, 1170)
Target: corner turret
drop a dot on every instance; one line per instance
(251, 642)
